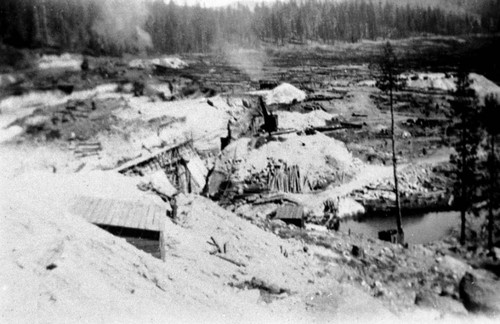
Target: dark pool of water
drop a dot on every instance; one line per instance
(418, 228)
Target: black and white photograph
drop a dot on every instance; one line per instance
(260, 161)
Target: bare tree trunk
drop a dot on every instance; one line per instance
(463, 203)
(491, 193)
(395, 170)
(43, 18)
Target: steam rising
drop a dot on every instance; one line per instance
(120, 24)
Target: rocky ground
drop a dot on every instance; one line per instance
(230, 263)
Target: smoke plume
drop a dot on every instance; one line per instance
(250, 62)
(120, 25)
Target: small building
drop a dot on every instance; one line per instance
(291, 214)
(141, 224)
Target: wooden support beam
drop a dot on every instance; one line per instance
(141, 160)
(163, 252)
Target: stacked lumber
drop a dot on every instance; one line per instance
(85, 149)
(285, 179)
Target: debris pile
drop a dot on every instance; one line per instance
(296, 120)
(66, 61)
(167, 62)
(447, 82)
(285, 93)
(420, 188)
(320, 158)
(430, 81)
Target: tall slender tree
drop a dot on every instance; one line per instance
(490, 115)
(465, 115)
(389, 80)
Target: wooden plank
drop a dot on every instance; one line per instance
(102, 212)
(90, 212)
(122, 214)
(90, 205)
(150, 219)
(154, 218)
(139, 212)
(117, 214)
(162, 214)
(109, 207)
(289, 211)
(158, 217)
(149, 222)
(144, 218)
(134, 218)
(96, 207)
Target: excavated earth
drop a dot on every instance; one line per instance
(232, 263)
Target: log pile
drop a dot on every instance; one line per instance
(85, 149)
(279, 177)
(285, 179)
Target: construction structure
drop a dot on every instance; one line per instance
(180, 162)
(265, 120)
(140, 223)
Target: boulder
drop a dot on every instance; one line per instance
(480, 294)
(9, 133)
(160, 182)
(454, 265)
(349, 207)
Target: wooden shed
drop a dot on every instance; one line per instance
(291, 214)
(141, 224)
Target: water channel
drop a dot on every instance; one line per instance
(418, 229)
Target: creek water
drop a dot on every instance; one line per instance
(418, 229)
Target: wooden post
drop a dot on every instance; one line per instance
(162, 245)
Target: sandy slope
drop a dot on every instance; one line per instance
(98, 277)
(58, 268)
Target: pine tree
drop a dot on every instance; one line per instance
(466, 121)
(490, 115)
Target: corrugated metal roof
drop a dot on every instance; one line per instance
(120, 213)
(289, 211)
